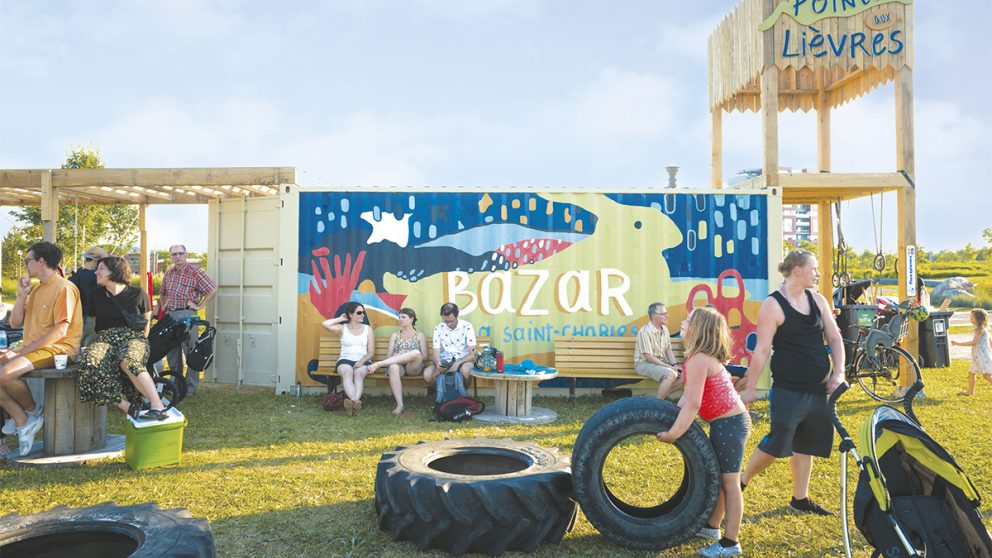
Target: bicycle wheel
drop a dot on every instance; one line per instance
(880, 376)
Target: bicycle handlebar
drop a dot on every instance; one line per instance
(832, 406)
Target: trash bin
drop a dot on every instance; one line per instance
(935, 350)
(852, 317)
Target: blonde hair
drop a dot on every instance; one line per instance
(796, 258)
(709, 334)
(981, 318)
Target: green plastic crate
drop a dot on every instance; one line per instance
(153, 446)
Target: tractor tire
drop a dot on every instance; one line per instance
(107, 531)
(475, 495)
(655, 528)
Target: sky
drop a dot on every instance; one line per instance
(483, 93)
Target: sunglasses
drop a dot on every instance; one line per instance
(359, 313)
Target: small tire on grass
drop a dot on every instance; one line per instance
(668, 524)
(107, 531)
(475, 495)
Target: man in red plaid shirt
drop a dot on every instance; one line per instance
(185, 290)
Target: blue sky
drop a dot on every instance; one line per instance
(495, 93)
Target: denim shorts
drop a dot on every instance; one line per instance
(800, 423)
(728, 436)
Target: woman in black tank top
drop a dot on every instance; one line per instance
(799, 361)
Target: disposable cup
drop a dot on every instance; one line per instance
(61, 361)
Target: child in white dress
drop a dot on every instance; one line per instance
(981, 350)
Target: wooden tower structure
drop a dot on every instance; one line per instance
(776, 55)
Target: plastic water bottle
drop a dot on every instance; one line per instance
(3, 339)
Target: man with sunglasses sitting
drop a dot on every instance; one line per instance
(185, 290)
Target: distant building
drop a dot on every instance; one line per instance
(799, 222)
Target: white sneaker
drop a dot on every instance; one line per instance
(9, 428)
(26, 433)
(716, 551)
(708, 533)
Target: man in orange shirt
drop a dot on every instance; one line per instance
(53, 323)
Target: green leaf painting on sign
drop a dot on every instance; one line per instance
(811, 11)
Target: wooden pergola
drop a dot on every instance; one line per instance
(142, 187)
(776, 55)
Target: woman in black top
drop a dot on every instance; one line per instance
(112, 368)
(794, 322)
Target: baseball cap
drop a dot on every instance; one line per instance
(94, 253)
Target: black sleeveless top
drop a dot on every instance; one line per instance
(799, 357)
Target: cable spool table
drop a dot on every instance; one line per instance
(514, 392)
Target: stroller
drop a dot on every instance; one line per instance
(912, 499)
(166, 335)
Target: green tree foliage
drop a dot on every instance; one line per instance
(115, 227)
(987, 235)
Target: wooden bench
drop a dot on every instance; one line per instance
(71, 425)
(601, 358)
(330, 349)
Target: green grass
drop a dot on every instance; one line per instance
(277, 477)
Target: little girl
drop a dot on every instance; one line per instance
(710, 392)
(981, 350)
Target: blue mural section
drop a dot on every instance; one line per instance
(413, 235)
(740, 220)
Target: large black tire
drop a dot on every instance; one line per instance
(655, 528)
(107, 531)
(478, 495)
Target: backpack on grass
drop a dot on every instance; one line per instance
(450, 385)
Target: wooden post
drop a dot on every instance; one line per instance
(716, 148)
(906, 196)
(769, 124)
(143, 243)
(49, 208)
(825, 233)
(825, 249)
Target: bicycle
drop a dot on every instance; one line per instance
(877, 358)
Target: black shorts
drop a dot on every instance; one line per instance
(728, 436)
(350, 363)
(800, 423)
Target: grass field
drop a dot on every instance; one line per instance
(277, 476)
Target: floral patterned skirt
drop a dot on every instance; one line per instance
(101, 379)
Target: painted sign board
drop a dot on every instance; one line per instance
(528, 266)
(883, 32)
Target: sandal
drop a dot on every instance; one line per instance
(153, 414)
(133, 411)
(349, 407)
(357, 406)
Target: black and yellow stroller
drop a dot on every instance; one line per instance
(913, 499)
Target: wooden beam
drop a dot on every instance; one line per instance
(716, 148)
(150, 177)
(867, 180)
(143, 243)
(825, 249)
(906, 198)
(49, 208)
(822, 132)
(769, 124)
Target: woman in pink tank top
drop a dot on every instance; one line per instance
(709, 392)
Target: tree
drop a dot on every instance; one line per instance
(80, 226)
(987, 235)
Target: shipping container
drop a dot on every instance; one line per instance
(524, 265)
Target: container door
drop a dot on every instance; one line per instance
(244, 236)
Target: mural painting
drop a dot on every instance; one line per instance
(526, 267)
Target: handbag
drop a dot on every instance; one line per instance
(333, 401)
(134, 320)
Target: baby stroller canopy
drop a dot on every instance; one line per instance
(912, 499)
(889, 432)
